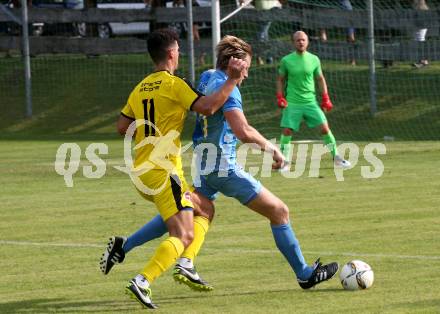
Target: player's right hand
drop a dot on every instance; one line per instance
(236, 68)
(278, 159)
(281, 101)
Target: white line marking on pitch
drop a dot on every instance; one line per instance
(48, 244)
(421, 257)
(271, 251)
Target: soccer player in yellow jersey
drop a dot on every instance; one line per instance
(159, 104)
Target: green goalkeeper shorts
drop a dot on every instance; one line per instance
(294, 114)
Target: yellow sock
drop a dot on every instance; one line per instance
(201, 226)
(164, 257)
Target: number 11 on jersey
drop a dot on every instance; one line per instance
(149, 116)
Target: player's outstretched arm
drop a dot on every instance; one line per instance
(208, 105)
(248, 134)
(122, 124)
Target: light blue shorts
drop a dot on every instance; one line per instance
(237, 184)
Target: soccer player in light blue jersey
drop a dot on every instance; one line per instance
(223, 129)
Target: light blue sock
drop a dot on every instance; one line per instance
(288, 245)
(153, 229)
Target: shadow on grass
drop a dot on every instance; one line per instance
(265, 293)
(59, 305)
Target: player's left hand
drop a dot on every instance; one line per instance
(326, 104)
(278, 159)
(236, 67)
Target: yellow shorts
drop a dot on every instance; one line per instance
(171, 192)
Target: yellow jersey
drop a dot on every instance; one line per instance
(159, 104)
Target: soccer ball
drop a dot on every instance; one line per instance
(356, 275)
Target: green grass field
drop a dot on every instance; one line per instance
(51, 238)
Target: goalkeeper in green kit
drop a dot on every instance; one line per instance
(296, 95)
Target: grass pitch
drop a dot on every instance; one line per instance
(51, 238)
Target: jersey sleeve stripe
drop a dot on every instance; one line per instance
(128, 117)
(191, 107)
(190, 85)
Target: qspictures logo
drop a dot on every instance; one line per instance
(207, 159)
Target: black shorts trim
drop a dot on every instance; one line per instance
(177, 193)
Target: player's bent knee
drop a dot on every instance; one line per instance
(203, 206)
(282, 214)
(279, 214)
(287, 132)
(325, 129)
(210, 212)
(207, 211)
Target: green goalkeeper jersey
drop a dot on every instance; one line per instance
(300, 71)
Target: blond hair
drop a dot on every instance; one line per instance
(420, 5)
(231, 46)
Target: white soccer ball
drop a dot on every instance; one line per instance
(356, 275)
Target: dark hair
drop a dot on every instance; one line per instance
(159, 42)
(231, 46)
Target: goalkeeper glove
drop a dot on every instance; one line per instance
(281, 101)
(326, 104)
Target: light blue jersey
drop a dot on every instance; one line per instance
(201, 88)
(224, 175)
(215, 129)
(204, 80)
